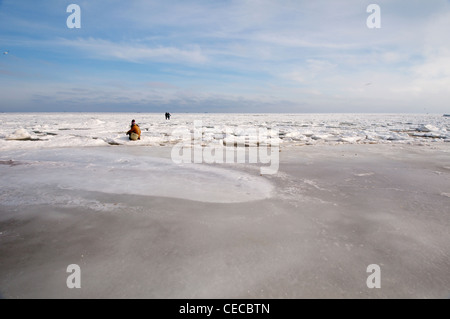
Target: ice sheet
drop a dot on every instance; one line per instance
(116, 170)
(333, 211)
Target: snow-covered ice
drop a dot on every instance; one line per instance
(20, 134)
(26, 131)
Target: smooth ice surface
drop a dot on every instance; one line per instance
(40, 130)
(309, 231)
(119, 170)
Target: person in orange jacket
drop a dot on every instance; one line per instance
(134, 132)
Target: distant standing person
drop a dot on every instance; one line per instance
(134, 132)
(168, 115)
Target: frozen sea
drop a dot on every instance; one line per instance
(40, 130)
(351, 190)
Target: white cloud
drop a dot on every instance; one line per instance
(296, 76)
(134, 52)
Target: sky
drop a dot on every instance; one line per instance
(249, 56)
